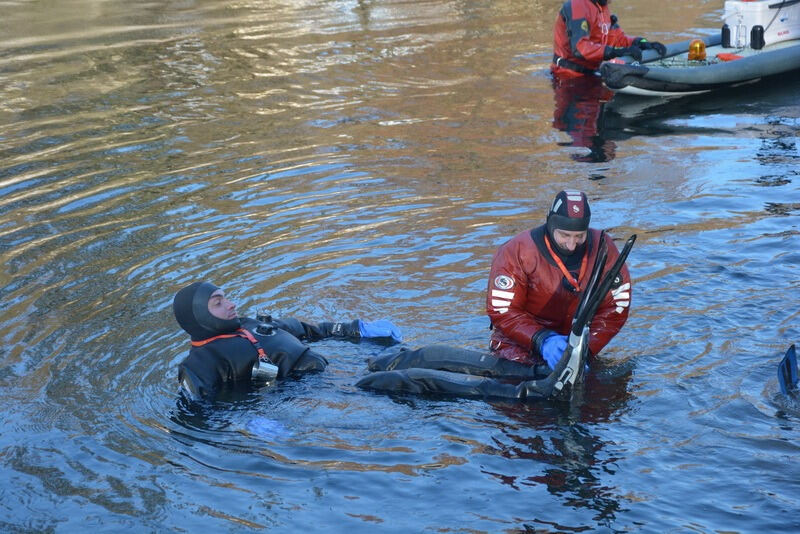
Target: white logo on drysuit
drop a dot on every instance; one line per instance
(501, 299)
(504, 282)
(622, 297)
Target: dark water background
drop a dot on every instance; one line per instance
(342, 159)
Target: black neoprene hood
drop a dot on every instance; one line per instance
(190, 307)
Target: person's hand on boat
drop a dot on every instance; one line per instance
(634, 51)
(553, 348)
(644, 44)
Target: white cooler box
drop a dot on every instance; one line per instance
(779, 18)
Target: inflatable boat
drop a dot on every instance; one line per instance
(759, 38)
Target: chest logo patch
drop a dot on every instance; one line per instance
(504, 282)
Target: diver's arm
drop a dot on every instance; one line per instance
(314, 332)
(353, 330)
(507, 296)
(199, 378)
(305, 331)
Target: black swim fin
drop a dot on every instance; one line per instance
(571, 368)
(787, 372)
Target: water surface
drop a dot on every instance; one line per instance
(334, 160)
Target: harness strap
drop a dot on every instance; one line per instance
(241, 332)
(575, 283)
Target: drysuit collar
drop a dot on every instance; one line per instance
(191, 311)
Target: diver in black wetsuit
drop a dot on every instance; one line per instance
(232, 353)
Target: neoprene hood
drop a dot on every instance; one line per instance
(190, 306)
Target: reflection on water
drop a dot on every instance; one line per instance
(334, 160)
(580, 112)
(595, 117)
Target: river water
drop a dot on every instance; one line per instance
(343, 159)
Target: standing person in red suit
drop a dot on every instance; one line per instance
(586, 34)
(535, 283)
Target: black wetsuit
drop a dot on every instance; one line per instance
(441, 369)
(225, 351)
(227, 362)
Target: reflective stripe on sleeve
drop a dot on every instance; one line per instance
(503, 294)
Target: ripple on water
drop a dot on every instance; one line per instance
(342, 160)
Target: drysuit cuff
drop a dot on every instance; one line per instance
(537, 340)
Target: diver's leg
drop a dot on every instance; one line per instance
(457, 360)
(433, 381)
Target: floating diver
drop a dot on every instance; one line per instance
(231, 353)
(787, 372)
(541, 301)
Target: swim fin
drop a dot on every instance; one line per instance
(787, 372)
(577, 351)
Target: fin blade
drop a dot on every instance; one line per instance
(787, 371)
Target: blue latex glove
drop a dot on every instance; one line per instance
(553, 348)
(379, 328)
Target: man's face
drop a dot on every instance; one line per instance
(220, 307)
(569, 240)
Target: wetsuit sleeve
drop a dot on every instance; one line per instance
(295, 363)
(613, 311)
(199, 377)
(284, 348)
(314, 332)
(507, 296)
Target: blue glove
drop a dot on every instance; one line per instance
(379, 328)
(553, 348)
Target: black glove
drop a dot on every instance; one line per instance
(644, 44)
(634, 51)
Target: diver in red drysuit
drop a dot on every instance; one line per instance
(535, 283)
(534, 286)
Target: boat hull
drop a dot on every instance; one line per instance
(675, 75)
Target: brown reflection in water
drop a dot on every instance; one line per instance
(442, 461)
